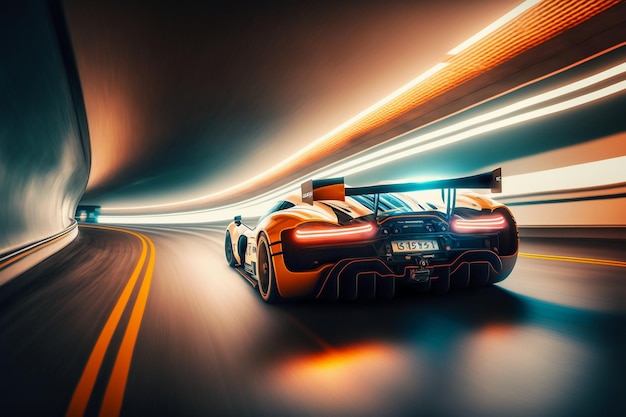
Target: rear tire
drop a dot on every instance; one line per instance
(228, 250)
(266, 274)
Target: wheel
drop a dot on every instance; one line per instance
(266, 274)
(228, 250)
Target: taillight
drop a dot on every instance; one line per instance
(479, 224)
(330, 234)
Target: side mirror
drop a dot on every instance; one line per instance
(237, 220)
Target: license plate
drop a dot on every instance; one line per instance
(417, 245)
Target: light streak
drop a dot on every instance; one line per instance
(579, 176)
(494, 26)
(383, 157)
(410, 147)
(529, 30)
(482, 119)
(303, 151)
(364, 160)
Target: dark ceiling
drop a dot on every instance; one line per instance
(186, 97)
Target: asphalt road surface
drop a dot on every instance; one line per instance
(154, 323)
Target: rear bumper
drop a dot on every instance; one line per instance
(362, 278)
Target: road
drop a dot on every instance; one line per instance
(191, 337)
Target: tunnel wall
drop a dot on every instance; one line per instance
(44, 141)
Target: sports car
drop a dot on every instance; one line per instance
(338, 242)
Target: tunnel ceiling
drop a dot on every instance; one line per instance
(185, 98)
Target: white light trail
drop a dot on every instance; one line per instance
(389, 153)
(585, 175)
(256, 206)
(378, 159)
(408, 147)
(303, 151)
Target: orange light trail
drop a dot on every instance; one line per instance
(531, 28)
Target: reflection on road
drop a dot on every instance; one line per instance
(548, 341)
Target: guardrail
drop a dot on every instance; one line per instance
(9, 260)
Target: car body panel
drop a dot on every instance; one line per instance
(339, 248)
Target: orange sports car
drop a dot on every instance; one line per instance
(338, 242)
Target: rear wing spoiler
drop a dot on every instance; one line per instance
(492, 180)
(334, 188)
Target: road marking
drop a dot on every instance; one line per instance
(592, 261)
(114, 394)
(84, 389)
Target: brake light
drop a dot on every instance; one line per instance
(486, 223)
(335, 234)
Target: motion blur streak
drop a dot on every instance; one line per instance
(297, 159)
(533, 27)
(87, 381)
(494, 26)
(480, 120)
(423, 143)
(573, 177)
(605, 262)
(485, 128)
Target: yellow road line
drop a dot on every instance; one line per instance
(114, 394)
(592, 261)
(84, 389)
